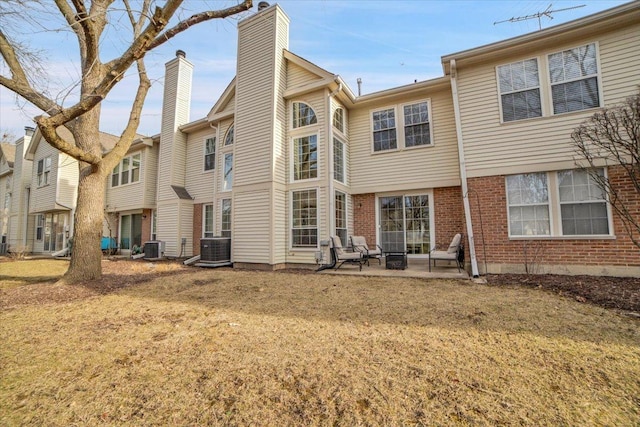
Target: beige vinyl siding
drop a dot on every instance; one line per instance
(251, 231)
(129, 196)
(4, 166)
(254, 95)
(37, 246)
(280, 226)
(18, 224)
(404, 169)
(44, 198)
(175, 112)
(540, 143)
(67, 180)
(186, 228)
(298, 76)
(167, 229)
(230, 106)
(150, 175)
(200, 183)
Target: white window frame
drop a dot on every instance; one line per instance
(590, 185)
(339, 118)
(207, 226)
(294, 158)
(227, 173)
(296, 120)
(226, 224)
(528, 205)
(207, 153)
(121, 172)
(395, 127)
(40, 225)
(597, 76)
(154, 224)
(44, 172)
(555, 215)
(230, 135)
(344, 218)
(537, 87)
(403, 136)
(316, 226)
(340, 163)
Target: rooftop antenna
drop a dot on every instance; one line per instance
(547, 12)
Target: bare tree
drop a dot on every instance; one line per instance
(150, 27)
(612, 137)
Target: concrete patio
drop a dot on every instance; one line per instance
(418, 268)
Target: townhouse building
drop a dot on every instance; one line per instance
(288, 155)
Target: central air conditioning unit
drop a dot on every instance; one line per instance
(153, 249)
(215, 249)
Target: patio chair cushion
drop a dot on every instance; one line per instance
(443, 255)
(359, 243)
(453, 247)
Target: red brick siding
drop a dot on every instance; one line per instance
(494, 231)
(364, 217)
(146, 225)
(197, 227)
(449, 214)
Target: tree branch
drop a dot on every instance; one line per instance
(48, 130)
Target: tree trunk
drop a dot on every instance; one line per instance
(86, 261)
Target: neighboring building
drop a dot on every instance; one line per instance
(7, 159)
(53, 192)
(131, 196)
(289, 155)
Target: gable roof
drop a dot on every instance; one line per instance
(8, 151)
(222, 102)
(107, 140)
(617, 17)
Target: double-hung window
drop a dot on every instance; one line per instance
(528, 199)
(384, 130)
(304, 231)
(519, 85)
(583, 206)
(44, 169)
(305, 157)
(562, 203)
(574, 79)
(39, 227)
(210, 154)
(207, 223)
(416, 124)
(338, 119)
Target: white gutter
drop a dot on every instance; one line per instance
(463, 170)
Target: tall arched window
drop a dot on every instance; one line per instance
(338, 119)
(303, 115)
(228, 139)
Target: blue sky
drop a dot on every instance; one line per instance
(386, 43)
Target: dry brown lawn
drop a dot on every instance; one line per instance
(163, 345)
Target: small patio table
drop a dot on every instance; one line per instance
(395, 260)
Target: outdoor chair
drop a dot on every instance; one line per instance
(359, 243)
(455, 253)
(342, 256)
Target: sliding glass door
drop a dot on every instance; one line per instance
(130, 231)
(405, 223)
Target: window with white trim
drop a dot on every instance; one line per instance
(44, 169)
(230, 137)
(338, 160)
(384, 130)
(341, 216)
(127, 171)
(303, 115)
(225, 226)
(305, 157)
(583, 205)
(39, 227)
(228, 172)
(304, 231)
(574, 79)
(528, 200)
(154, 224)
(210, 153)
(519, 86)
(562, 203)
(338, 119)
(416, 124)
(207, 220)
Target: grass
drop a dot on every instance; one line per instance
(225, 347)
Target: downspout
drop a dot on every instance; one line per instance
(463, 170)
(332, 197)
